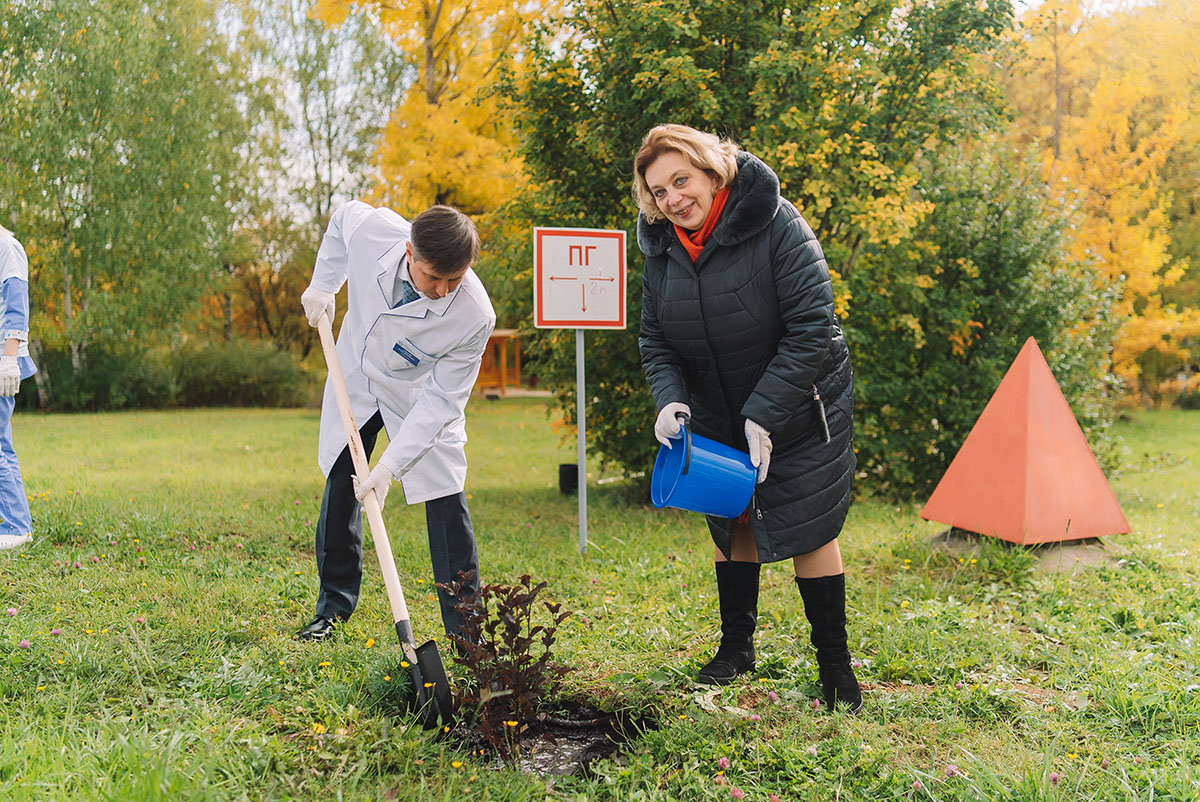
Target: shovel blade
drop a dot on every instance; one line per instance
(434, 701)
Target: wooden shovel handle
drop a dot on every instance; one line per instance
(383, 549)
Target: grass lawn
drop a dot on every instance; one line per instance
(174, 561)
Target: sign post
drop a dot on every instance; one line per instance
(579, 283)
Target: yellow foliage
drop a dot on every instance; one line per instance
(962, 339)
(1109, 107)
(449, 141)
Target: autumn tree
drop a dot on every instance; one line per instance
(955, 300)
(840, 99)
(449, 140)
(1111, 99)
(119, 129)
(330, 92)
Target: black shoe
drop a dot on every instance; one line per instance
(825, 605)
(318, 629)
(737, 591)
(840, 686)
(728, 665)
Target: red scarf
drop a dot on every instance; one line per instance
(693, 241)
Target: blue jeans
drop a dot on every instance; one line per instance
(15, 518)
(339, 539)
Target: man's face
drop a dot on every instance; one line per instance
(430, 283)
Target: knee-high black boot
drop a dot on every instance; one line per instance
(825, 606)
(737, 590)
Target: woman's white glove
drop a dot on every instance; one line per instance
(315, 302)
(10, 376)
(759, 440)
(379, 480)
(667, 426)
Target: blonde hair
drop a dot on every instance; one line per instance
(707, 152)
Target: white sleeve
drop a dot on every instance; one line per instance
(13, 263)
(333, 257)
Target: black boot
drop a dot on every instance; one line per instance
(737, 590)
(825, 606)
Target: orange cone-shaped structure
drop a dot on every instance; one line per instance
(1025, 473)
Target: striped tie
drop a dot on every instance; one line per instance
(410, 294)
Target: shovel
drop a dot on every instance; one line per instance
(433, 698)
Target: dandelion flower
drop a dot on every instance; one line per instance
(324, 664)
(370, 642)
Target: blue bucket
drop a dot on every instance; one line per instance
(702, 475)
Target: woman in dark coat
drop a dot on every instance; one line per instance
(738, 332)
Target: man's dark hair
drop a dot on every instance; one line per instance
(446, 238)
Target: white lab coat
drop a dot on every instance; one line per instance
(416, 363)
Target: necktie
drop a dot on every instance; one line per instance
(409, 294)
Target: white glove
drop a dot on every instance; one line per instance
(315, 302)
(10, 376)
(759, 440)
(379, 480)
(667, 426)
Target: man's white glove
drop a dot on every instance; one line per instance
(10, 376)
(667, 426)
(315, 302)
(759, 440)
(379, 480)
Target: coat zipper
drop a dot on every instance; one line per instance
(821, 412)
(754, 503)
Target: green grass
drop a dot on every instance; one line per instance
(199, 523)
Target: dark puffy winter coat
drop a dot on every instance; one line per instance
(749, 332)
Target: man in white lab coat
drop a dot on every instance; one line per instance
(416, 325)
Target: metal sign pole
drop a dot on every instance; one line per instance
(579, 417)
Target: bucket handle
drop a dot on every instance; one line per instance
(685, 421)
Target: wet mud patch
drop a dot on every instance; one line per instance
(569, 740)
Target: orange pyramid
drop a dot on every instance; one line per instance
(1025, 473)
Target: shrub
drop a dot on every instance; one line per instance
(497, 647)
(250, 373)
(106, 380)
(1188, 400)
(938, 319)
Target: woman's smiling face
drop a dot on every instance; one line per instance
(683, 192)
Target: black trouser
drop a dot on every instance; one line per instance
(339, 539)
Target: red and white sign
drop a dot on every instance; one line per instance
(578, 278)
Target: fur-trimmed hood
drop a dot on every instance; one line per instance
(753, 200)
